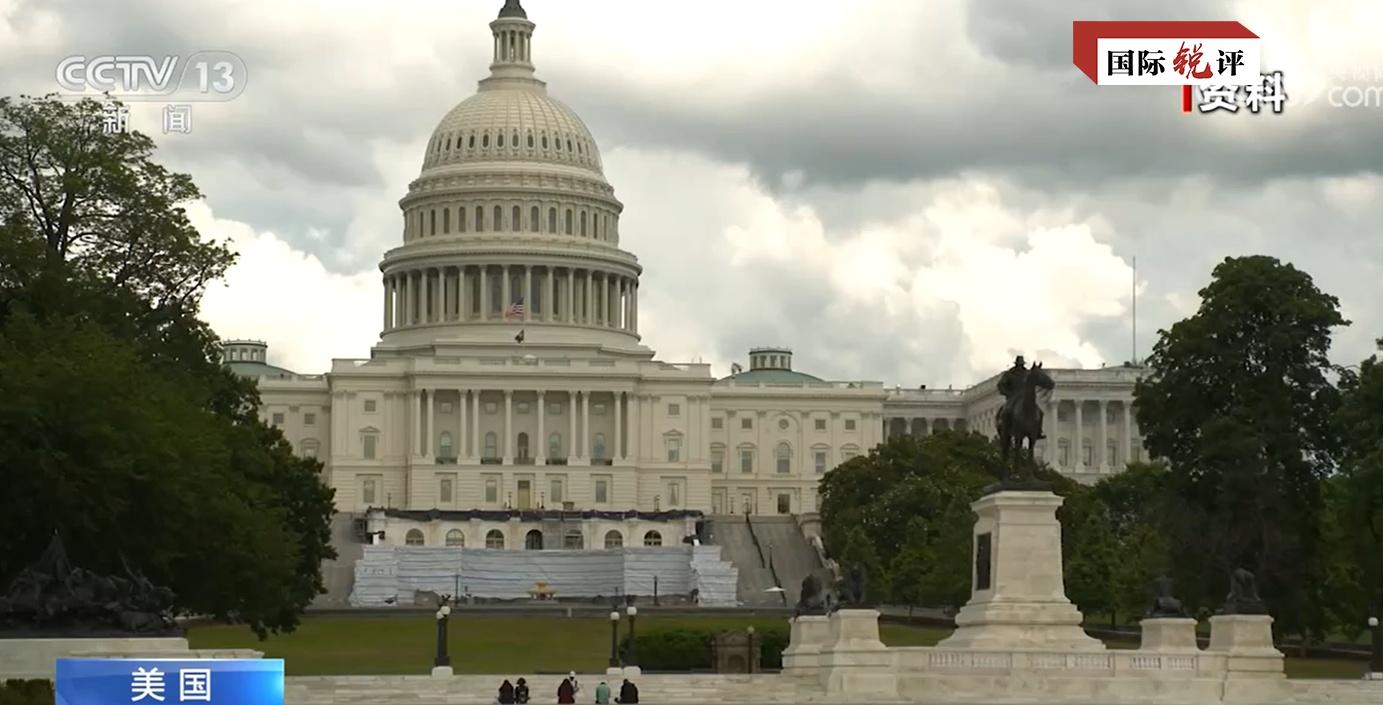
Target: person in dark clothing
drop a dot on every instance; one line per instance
(521, 692)
(506, 693)
(566, 692)
(628, 693)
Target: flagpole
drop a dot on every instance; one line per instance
(1134, 359)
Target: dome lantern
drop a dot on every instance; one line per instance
(513, 49)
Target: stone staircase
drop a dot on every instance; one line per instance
(792, 555)
(716, 580)
(338, 576)
(731, 533)
(481, 690)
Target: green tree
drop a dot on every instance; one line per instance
(1090, 553)
(909, 567)
(1239, 402)
(1354, 500)
(1135, 500)
(118, 425)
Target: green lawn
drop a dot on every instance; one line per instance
(489, 644)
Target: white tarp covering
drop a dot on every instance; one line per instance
(391, 573)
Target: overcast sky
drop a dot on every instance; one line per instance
(902, 191)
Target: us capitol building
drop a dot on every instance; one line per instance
(454, 417)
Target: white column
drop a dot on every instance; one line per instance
(506, 292)
(590, 297)
(438, 301)
(1079, 461)
(431, 431)
(571, 306)
(612, 302)
(1128, 432)
(527, 293)
(635, 326)
(619, 426)
(461, 446)
(635, 448)
(1103, 456)
(585, 424)
(508, 426)
(483, 273)
(388, 308)
(475, 423)
(549, 298)
(338, 445)
(415, 421)
(571, 417)
(541, 452)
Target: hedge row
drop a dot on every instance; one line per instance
(683, 649)
(21, 692)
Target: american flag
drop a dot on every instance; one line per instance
(515, 310)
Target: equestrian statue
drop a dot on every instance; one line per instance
(1020, 418)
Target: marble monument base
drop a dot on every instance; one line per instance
(1253, 665)
(1019, 596)
(36, 658)
(853, 660)
(443, 671)
(1168, 634)
(807, 634)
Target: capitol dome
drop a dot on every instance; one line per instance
(511, 232)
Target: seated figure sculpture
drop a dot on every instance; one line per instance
(1163, 603)
(1243, 594)
(812, 601)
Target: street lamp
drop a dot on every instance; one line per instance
(442, 660)
(632, 655)
(752, 650)
(1376, 662)
(614, 638)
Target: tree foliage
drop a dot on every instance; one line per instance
(119, 427)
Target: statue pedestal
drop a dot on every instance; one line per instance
(1019, 596)
(442, 672)
(1168, 634)
(806, 635)
(1253, 666)
(36, 658)
(853, 660)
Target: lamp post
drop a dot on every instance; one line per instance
(1376, 662)
(442, 660)
(614, 638)
(752, 650)
(631, 656)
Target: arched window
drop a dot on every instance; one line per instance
(444, 445)
(573, 541)
(598, 446)
(485, 141)
(461, 219)
(566, 222)
(784, 455)
(614, 539)
(516, 220)
(652, 538)
(456, 539)
(533, 219)
(432, 222)
(514, 142)
(583, 223)
(494, 539)
(554, 445)
(498, 225)
(499, 140)
(544, 141)
(471, 142)
(530, 140)
(533, 541)
(413, 538)
(552, 220)
(479, 219)
(523, 445)
(491, 445)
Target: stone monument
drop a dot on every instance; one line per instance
(52, 610)
(808, 630)
(853, 660)
(1166, 628)
(1018, 600)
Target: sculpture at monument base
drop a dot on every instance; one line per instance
(812, 601)
(1163, 603)
(51, 599)
(853, 593)
(1243, 594)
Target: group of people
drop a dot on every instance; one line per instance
(517, 693)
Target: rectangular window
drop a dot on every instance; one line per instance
(1112, 453)
(674, 494)
(746, 461)
(849, 424)
(1065, 455)
(1137, 452)
(309, 451)
(367, 491)
(820, 424)
(278, 419)
(674, 450)
(602, 491)
(820, 462)
(367, 447)
(784, 461)
(674, 409)
(598, 409)
(555, 490)
(1085, 453)
(554, 409)
(491, 407)
(784, 504)
(717, 423)
(717, 461)
(444, 491)
(309, 419)
(369, 406)
(492, 491)
(522, 407)
(444, 407)
(746, 424)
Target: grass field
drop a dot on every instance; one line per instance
(489, 644)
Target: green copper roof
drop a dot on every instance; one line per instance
(775, 376)
(512, 8)
(257, 369)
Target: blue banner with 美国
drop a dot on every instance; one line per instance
(92, 681)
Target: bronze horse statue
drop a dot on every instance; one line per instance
(1022, 421)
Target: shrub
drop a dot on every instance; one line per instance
(683, 649)
(26, 692)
